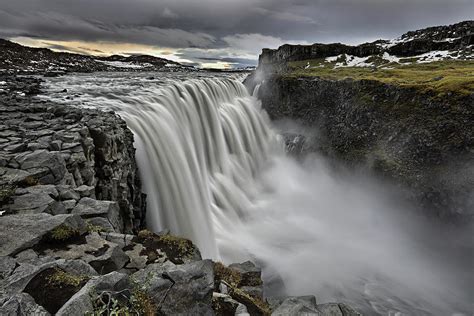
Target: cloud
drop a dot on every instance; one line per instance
(243, 27)
(286, 16)
(167, 13)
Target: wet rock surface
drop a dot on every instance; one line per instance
(421, 141)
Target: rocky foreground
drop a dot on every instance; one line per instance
(71, 226)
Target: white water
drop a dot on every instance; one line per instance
(215, 172)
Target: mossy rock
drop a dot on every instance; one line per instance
(177, 249)
(255, 305)
(6, 192)
(53, 287)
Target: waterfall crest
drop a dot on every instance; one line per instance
(202, 142)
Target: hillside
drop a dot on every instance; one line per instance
(15, 58)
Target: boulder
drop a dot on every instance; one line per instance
(18, 232)
(35, 199)
(20, 305)
(81, 302)
(250, 274)
(53, 161)
(102, 255)
(297, 305)
(224, 305)
(179, 289)
(88, 208)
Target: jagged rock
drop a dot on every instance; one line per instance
(25, 272)
(35, 199)
(120, 239)
(20, 305)
(7, 265)
(224, 305)
(85, 191)
(66, 192)
(18, 232)
(12, 176)
(102, 255)
(298, 305)
(81, 302)
(100, 224)
(179, 289)
(158, 248)
(88, 208)
(254, 291)
(251, 275)
(40, 159)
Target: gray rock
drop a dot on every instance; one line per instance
(102, 255)
(88, 208)
(20, 305)
(254, 291)
(137, 261)
(250, 273)
(180, 289)
(18, 232)
(35, 199)
(81, 302)
(12, 176)
(7, 265)
(120, 239)
(67, 193)
(297, 305)
(225, 305)
(53, 161)
(101, 223)
(19, 279)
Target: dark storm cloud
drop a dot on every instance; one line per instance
(242, 26)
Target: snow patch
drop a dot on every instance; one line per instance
(122, 64)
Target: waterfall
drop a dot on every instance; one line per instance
(214, 171)
(200, 143)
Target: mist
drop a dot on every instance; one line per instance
(343, 235)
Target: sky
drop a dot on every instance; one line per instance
(215, 33)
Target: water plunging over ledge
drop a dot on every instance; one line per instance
(214, 171)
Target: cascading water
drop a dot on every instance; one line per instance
(200, 145)
(215, 171)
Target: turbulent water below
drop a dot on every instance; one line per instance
(215, 171)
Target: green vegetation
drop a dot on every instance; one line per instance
(229, 275)
(123, 303)
(63, 233)
(62, 278)
(91, 228)
(177, 249)
(6, 191)
(440, 77)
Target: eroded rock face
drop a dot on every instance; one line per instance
(421, 141)
(57, 159)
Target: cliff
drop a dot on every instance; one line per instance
(407, 119)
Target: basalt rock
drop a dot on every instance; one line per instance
(421, 141)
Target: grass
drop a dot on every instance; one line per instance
(60, 277)
(442, 77)
(63, 233)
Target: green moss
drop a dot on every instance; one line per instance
(441, 77)
(177, 249)
(255, 305)
(229, 275)
(6, 191)
(94, 228)
(138, 302)
(61, 278)
(63, 233)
